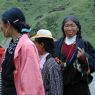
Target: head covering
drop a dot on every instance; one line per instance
(43, 33)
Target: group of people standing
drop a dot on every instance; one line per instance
(42, 65)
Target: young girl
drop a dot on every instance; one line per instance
(20, 69)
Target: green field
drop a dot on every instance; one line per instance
(49, 14)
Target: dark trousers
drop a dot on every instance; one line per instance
(11, 91)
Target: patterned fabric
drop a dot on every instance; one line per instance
(12, 45)
(52, 78)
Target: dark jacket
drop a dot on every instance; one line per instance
(72, 75)
(52, 77)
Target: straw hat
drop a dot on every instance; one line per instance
(43, 33)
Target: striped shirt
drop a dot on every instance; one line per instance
(52, 77)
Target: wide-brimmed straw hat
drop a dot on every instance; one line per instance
(43, 33)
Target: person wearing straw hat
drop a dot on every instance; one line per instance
(51, 71)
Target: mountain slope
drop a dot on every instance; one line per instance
(49, 14)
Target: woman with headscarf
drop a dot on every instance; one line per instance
(20, 69)
(77, 58)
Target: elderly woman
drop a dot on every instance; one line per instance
(20, 69)
(77, 58)
(51, 71)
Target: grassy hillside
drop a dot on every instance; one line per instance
(49, 14)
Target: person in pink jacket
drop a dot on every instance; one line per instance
(21, 73)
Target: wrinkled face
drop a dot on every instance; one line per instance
(70, 29)
(5, 28)
(40, 48)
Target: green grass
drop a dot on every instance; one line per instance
(39, 14)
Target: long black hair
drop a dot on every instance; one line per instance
(48, 44)
(76, 21)
(16, 18)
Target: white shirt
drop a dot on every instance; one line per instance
(71, 40)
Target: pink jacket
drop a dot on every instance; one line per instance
(27, 76)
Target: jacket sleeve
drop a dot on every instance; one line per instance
(90, 54)
(55, 79)
(57, 46)
(31, 80)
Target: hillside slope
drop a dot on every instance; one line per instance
(50, 13)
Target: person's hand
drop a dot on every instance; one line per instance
(81, 54)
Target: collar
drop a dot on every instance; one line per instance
(22, 39)
(71, 40)
(43, 59)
